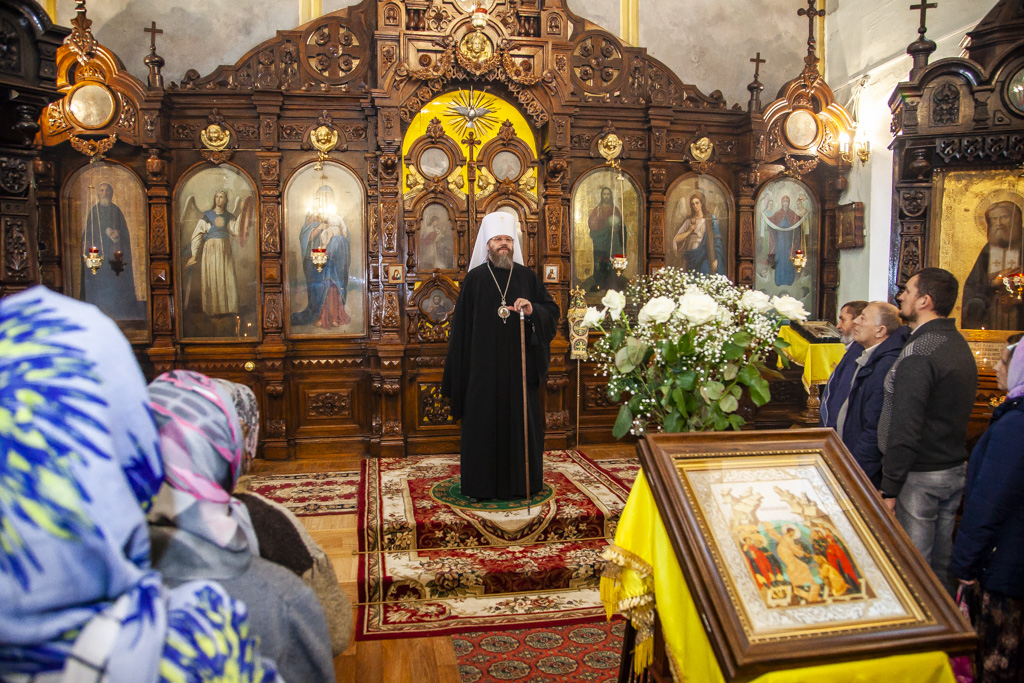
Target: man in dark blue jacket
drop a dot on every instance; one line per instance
(880, 333)
(834, 394)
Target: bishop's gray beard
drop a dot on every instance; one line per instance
(502, 260)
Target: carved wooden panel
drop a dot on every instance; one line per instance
(433, 409)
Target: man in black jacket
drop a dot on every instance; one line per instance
(929, 395)
(881, 335)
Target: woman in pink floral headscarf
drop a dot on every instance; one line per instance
(199, 531)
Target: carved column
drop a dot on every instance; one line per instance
(659, 121)
(749, 180)
(556, 248)
(17, 222)
(48, 230)
(272, 350)
(28, 50)
(834, 187)
(386, 306)
(161, 263)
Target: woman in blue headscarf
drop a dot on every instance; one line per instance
(78, 465)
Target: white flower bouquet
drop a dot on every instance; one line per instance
(681, 348)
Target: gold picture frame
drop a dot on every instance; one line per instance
(788, 552)
(966, 202)
(396, 274)
(551, 272)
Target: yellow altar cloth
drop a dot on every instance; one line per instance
(649, 573)
(819, 360)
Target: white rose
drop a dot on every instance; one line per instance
(756, 301)
(697, 307)
(614, 302)
(592, 318)
(789, 307)
(657, 310)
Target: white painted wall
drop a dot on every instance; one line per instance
(709, 43)
(869, 38)
(198, 34)
(605, 13)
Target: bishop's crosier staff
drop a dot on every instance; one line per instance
(526, 416)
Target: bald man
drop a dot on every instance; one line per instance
(881, 334)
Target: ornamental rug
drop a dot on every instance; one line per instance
(433, 562)
(323, 493)
(588, 652)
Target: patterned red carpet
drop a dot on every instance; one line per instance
(587, 652)
(325, 493)
(432, 562)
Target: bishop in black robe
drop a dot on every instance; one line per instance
(483, 378)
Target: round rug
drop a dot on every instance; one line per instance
(449, 492)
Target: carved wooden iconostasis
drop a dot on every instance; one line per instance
(959, 183)
(301, 221)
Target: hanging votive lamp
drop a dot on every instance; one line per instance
(93, 255)
(478, 17)
(619, 261)
(799, 260)
(318, 255)
(93, 259)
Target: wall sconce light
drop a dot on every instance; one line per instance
(860, 147)
(478, 17)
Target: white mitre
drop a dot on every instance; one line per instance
(494, 224)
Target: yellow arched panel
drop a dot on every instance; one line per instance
(451, 109)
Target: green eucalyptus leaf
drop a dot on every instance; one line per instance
(731, 370)
(728, 404)
(713, 390)
(686, 347)
(742, 339)
(759, 393)
(623, 422)
(679, 399)
(732, 351)
(623, 362)
(637, 349)
(615, 337)
(693, 403)
(669, 352)
(748, 375)
(634, 404)
(686, 380)
(720, 422)
(736, 421)
(736, 391)
(674, 422)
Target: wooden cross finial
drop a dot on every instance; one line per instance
(924, 6)
(153, 32)
(757, 65)
(811, 13)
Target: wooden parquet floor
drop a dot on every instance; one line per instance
(424, 660)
